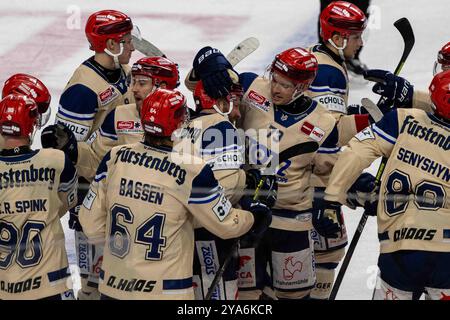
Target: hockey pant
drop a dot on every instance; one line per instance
(407, 274)
(210, 253)
(284, 259)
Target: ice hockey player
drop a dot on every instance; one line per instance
(399, 92)
(413, 214)
(33, 88)
(97, 86)
(37, 188)
(143, 203)
(123, 124)
(341, 26)
(210, 135)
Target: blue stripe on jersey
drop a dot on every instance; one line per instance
(220, 138)
(177, 284)
(446, 234)
(68, 179)
(331, 142)
(246, 79)
(329, 79)
(102, 170)
(21, 157)
(329, 150)
(387, 127)
(205, 187)
(58, 274)
(383, 236)
(108, 128)
(78, 102)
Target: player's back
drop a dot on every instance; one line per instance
(418, 167)
(36, 189)
(149, 254)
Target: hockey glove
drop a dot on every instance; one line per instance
(356, 109)
(263, 187)
(211, 66)
(364, 193)
(327, 219)
(262, 218)
(394, 88)
(60, 137)
(83, 188)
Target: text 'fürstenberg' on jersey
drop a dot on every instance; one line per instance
(18, 178)
(413, 128)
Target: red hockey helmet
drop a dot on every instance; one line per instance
(341, 17)
(163, 111)
(30, 86)
(104, 25)
(18, 115)
(296, 64)
(443, 60)
(203, 101)
(159, 69)
(440, 94)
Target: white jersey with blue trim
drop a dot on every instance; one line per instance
(88, 97)
(37, 188)
(143, 202)
(315, 124)
(121, 126)
(414, 211)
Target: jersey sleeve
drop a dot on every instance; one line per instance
(77, 108)
(212, 209)
(222, 146)
(68, 185)
(94, 149)
(330, 88)
(93, 211)
(325, 158)
(422, 100)
(349, 125)
(372, 142)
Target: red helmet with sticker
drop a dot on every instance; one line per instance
(341, 17)
(30, 86)
(440, 94)
(296, 64)
(159, 69)
(443, 59)
(163, 111)
(203, 101)
(104, 25)
(18, 115)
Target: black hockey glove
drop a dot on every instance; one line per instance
(264, 187)
(327, 219)
(394, 88)
(262, 218)
(211, 66)
(364, 193)
(356, 109)
(60, 137)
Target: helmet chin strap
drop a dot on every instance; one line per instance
(115, 56)
(339, 49)
(225, 114)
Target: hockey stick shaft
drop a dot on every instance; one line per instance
(405, 29)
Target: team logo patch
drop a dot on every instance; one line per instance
(107, 96)
(258, 101)
(365, 134)
(312, 131)
(222, 207)
(89, 199)
(129, 126)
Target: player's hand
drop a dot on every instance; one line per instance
(263, 187)
(327, 219)
(215, 71)
(60, 137)
(396, 89)
(364, 193)
(262, 216)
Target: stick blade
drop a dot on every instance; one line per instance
(242, 50)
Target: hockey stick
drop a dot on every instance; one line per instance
(405, 29)
(296, 150)
(239, 52)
